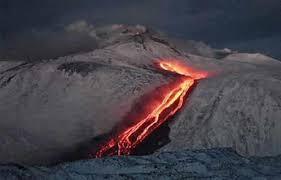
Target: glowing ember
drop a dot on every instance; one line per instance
(172, 101)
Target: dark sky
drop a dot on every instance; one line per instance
(249, 25)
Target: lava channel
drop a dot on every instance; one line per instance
(172, 101)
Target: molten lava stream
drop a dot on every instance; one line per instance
(171, 103)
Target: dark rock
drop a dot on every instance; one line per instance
(189, 164)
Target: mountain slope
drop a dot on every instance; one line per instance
(49, 108)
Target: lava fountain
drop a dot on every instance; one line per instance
(171, 102)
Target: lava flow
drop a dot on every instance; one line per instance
(172, 101)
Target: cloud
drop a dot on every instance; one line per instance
(79, 36)
(214, 22)
(82, 26)
(48, 43)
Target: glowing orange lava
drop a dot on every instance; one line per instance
(172, 101)
(180, 68)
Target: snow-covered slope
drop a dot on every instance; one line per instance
(49, 108)
(252, 58)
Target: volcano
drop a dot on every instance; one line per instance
(50, 109)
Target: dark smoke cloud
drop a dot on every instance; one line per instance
(234, 23)
(46, 44)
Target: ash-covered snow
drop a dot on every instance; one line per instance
(252, 58)
(49, 108)
(197, 164)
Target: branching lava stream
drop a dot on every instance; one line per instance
(172, 102)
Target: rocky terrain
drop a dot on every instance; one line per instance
(197, 164)
(49, 108)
